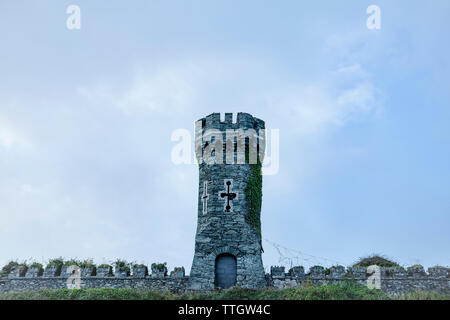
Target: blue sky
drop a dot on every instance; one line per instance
(86, 118)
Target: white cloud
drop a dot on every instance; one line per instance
(10, 136)
(358, 100)
(314, 109)
(232, 84)
(166, 91)
(353, 70)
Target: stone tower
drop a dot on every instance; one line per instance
(228, 238)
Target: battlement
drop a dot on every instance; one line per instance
(242, 121)
(221, 140)
(95, 272)
(340, 272)
(392, 280)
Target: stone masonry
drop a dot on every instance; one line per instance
(394, 281)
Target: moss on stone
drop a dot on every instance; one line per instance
(6, 270)
(253, 193)
(378, 260)
(122, 265)
(55, 263)
(159, 266)
(37, 265)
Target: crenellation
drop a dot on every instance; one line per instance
(416, 271)
(178, 272)
(297, 272)
(356, 273)
(17, 273)
(277, 272)
(87, 272)
(104, 272)
(34, 272)
(228, 118)
(140, 272)
(122, 274)
(395, 273)
(337, 272)
(52, 272)
(317, 272)
(394, 281)
(242, 121)
(213, 121)
(159, 272)
(439, 272)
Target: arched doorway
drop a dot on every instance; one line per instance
(225, 271)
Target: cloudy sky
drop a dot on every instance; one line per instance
(86, 118)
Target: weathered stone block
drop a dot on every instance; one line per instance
(122, 273)
(178, 272)
(416, 271)
(159, 272)
(18, 272)
(140, 272)
(317, 272)
(357, 273)
(395, 273)
(337, 272)
(439, 272)
(52, 272)
(277, 272)
(34, 272)
(104, 272)
(297, 272)
(87, 272)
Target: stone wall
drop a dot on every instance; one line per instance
(40, 283)
(394, 281)
(176, 282)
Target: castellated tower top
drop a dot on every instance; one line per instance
(242, 121)
(229, 140)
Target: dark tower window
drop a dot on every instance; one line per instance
(225, 271)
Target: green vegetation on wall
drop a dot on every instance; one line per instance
(122, 265)
(375, 259)
(8, 268)
(55, 263)
(37, 265)
(159, 266)
(253, 194)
